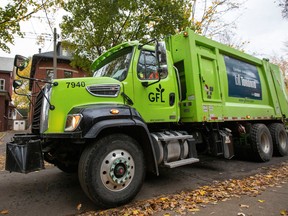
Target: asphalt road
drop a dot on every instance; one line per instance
(52, 192)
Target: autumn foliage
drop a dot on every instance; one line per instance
(192, 201)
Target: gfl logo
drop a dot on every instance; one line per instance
(158, 96)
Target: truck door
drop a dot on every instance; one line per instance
(210, 87)
(157, 102)
(209, 78)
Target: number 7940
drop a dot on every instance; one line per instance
(75, 84)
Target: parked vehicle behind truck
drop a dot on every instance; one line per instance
(151, 105)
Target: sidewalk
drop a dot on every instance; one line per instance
(272, 202)
(262, 194)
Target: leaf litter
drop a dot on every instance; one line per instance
(192, 201)
(2, 162)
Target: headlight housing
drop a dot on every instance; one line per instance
(72, 122)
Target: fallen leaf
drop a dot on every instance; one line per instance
(4, 212)
(135, 212)
(191, 201)
(194, 210)
(79, 206)
(164, 199)
(202, 192)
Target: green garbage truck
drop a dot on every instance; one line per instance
(154, 104)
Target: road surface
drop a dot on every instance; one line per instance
(52, 192)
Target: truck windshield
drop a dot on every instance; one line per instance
(116, 65)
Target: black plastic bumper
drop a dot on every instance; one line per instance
(24, 154)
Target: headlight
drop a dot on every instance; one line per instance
(72, 121)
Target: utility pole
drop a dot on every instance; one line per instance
(55, 54)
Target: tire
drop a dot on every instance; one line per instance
(279, 138)
(261, 143)
(112, 170)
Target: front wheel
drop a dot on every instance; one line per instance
(112, 170)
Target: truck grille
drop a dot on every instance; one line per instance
(101, 90)
(37, 113)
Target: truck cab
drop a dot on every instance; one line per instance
(148, 85)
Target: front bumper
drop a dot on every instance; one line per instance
(24, 154)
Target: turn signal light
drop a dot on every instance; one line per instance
(114, 111)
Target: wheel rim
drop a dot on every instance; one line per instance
(265, 143)
(117, 170)
(282, 139)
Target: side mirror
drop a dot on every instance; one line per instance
(21, 62)
(163, 71)
(17, 84)
(162, 53)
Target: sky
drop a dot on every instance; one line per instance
(263, 26)
(260, 23)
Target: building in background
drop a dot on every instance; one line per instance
(42, 68)
(6, 106)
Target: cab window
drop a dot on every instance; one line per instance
(116, 65)
(147, 66)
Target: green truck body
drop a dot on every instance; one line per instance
(224, 83)
(154, 105)
(221, 83)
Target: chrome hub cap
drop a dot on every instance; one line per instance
(117, 170)
(265, 143)
(282, 140)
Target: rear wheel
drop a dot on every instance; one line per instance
(112, 170)
(261, 142)
(279, 138)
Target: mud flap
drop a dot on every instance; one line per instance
(24, 157)
(227, 143)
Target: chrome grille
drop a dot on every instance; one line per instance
(37, 113)
(104, 90)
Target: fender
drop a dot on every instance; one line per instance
(97, 118)
(110, 123)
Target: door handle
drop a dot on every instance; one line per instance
(171, 99)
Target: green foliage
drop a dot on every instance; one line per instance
(94, 26)
(15, 11)
(98, 25)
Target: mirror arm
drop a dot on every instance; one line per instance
(33, 79)
(20, 93)
(146, 84)
(28, 97)
(51, 107)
